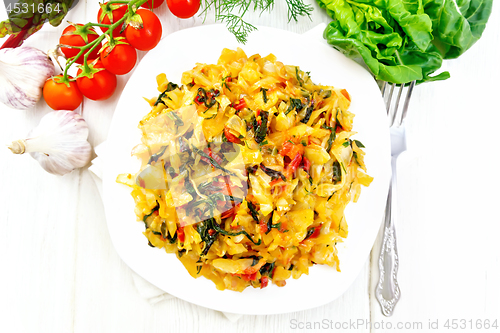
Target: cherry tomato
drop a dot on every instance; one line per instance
(149, 35)
(100, 85)
(59, 96)
(119, 59)
(109, 14)
(150, 4)
(183, 8)
(76, 35)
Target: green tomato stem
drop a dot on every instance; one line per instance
(98, 25)
(95, 43)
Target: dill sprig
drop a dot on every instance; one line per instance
(237, 26)
(298, 8)
(232, 12)
(242, 6)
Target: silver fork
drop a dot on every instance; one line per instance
(387, 291)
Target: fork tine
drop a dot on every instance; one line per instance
(407, 102)
(395, 110)
(382, 88)
(388, 101)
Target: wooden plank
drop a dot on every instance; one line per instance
(38, 229)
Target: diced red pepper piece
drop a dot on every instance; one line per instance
(290, 148)
(228, 188)
(316, 232)
(249, 277)
(286, 148)
(264, 281)
(275, 181)
(263, 226)
(181, 235)
(230, 212)
(240, 105)
(346, 94)
(293, 166)
(231, 137)
(306, 163)
(227, 213)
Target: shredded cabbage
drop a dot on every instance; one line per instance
(246, 171)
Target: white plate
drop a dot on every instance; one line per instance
(179, 52)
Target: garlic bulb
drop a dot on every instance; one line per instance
(23, 71)
(59, 143)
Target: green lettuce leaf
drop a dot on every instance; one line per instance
(457, 25)
(405, 40)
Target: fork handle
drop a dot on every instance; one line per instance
(387, 291)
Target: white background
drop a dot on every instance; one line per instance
(60, 272)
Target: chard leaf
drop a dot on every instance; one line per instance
(170, 86)
(253, 211)
(273, 173)
(212, 161)
(405, 40)
(261, 130)
(359, 144)
(155, 157)
(457, 24)
(209, 237)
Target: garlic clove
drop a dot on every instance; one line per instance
(23, 71)
(59, 143)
